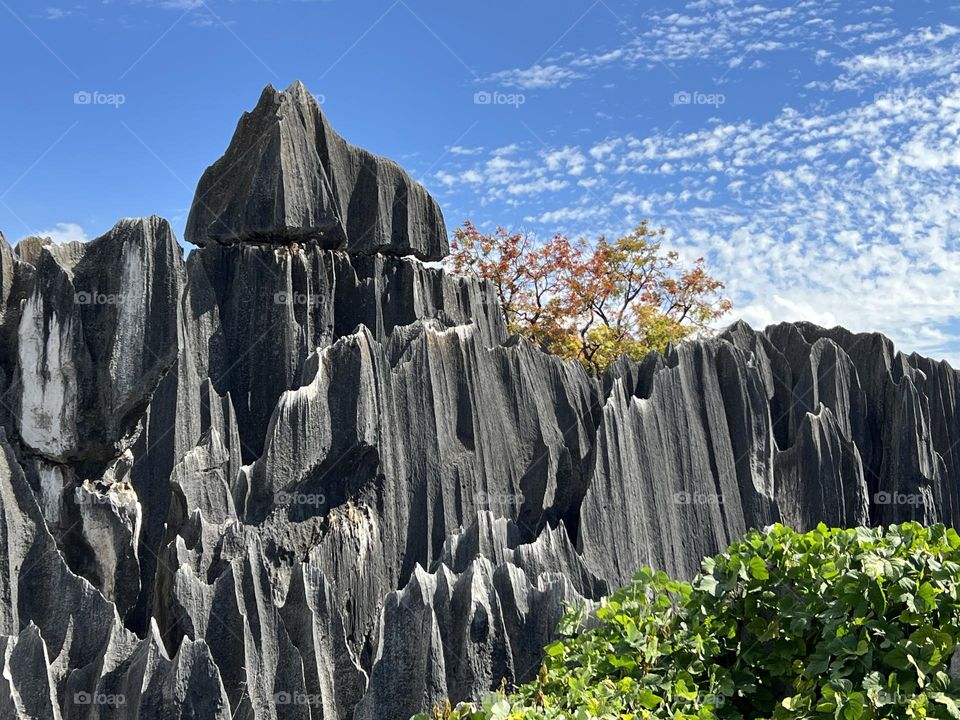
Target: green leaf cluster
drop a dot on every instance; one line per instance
(838, 624)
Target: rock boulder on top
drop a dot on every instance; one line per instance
(289, 177)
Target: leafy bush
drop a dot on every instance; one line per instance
(842, 624)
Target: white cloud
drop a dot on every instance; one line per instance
(506, 150)
(566, 158)
(927, 51)
(844, 212)
(723, 33)
(64, 233)
(536, 77)
(603, 150)
(536, 186)
(567, 215)
(445, 178)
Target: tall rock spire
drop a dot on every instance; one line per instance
(288, 176)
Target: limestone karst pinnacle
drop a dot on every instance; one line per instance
(288, 176)
(267, 483)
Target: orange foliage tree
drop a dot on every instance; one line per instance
(592, 303)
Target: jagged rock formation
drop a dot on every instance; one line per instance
(288, 176)
(317, 481)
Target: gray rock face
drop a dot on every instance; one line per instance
(320, 482)
(94, 338)
(288, 176)
(110, 520)
(27, 687)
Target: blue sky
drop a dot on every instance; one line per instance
(811, 150)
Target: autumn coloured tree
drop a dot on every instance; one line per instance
(592, 303)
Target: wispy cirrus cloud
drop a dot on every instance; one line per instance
(925, 52)
(536, 77)
(58, 13)
(728, 34)
(840, 208)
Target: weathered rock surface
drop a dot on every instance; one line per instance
(314, 481)
(288, 176)
(110, 521)
(95, 336)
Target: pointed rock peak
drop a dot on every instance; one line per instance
(146, 225)
(30, 249)
(150, 231)
(287, 177)
(740, 326)
(299, 93)
(282, 103)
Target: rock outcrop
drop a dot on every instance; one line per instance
(288, 176)
(321, 481)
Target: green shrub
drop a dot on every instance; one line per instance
(829, 624)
